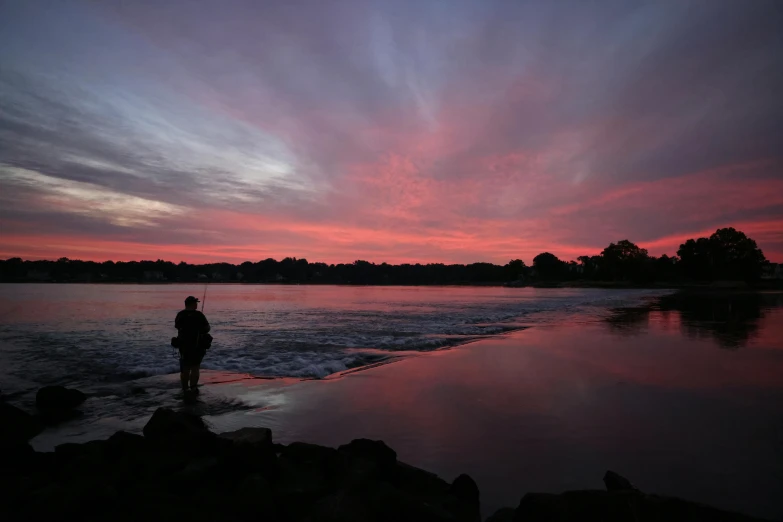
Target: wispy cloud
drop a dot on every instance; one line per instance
(89, 200)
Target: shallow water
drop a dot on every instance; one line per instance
(683, 395)
(83, 335)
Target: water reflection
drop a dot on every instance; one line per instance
(732, 319)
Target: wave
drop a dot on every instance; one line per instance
(282, 341)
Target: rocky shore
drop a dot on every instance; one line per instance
(180, 470)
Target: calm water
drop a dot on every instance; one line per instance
(684, 395)
(87, 334)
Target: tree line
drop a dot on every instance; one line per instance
(728, 254)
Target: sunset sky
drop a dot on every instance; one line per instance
(431, 131)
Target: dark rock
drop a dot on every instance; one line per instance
(616, 482)
(367, 460)
(343, 506)
(156, 463)
(460, 499)
(307, 473)
(616, 506)
(132, 459)
(91, 446)
(574, 505)
(467, 507)
(254, 485)
(138, 390)
(389, 504)
(376, 501)
(250, 450)
(166, 475)
(70, 450)
(374, 450)
(313, 456)
(254, 495)
(505, 514)
(17, 456)
(653, 507)
(257, 438)
(56, 404)
(418, 481)
(58, 398)
(540, 507)
(181, 432)
(81, 460)
(85, 498)
(17, 426)
(123, 442)
(465, 489)
(166, 423)
(196, 473)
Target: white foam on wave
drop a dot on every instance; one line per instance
(313, 364)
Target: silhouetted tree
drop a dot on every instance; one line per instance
(726, 254)
(666, 268)
(590, 266)
(515, 270)
(548, 266)
(735, 255)
(696, 259)
(623, 261)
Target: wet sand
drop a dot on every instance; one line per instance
(541, 409)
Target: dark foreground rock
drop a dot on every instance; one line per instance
(619, 506)
(180, 470)
(58, 404)
(616, 482)
(17, 426)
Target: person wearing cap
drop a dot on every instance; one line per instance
(192, 327)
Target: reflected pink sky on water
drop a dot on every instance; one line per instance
(551, 408)
(684, 397)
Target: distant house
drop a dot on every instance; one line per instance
(153, 275)
(202, 277)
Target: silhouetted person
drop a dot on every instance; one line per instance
(192, 327)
